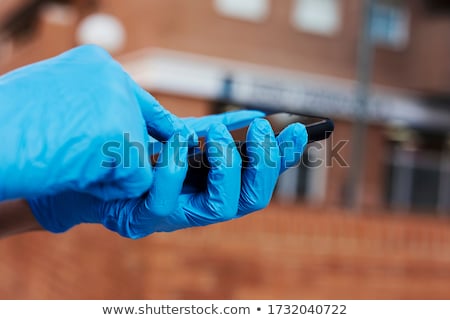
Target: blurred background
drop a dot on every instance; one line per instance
(366, 214)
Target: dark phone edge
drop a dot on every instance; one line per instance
(320, 130)
(316, 131)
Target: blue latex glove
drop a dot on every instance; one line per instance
(171, 206)
(57, 114)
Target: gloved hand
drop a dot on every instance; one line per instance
(57, 114)
(169, 205)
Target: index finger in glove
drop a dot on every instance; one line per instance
(219, 202)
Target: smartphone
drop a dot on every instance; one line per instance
(318, 129)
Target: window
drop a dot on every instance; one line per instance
(390, 25)
(418, 170)
(252, 10)
(317, 16)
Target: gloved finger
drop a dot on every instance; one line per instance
(155, 146)
(161, 124)
(169, 174)
(292, 141)
(260, 176)
(219, 202)
(232, 120)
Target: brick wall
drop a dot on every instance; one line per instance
(284, 252)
